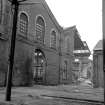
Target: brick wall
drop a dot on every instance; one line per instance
(25, 48)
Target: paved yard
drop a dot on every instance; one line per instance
(54, 95)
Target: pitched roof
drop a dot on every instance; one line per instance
(86, 47)
(98, 46)
(51, 15)
(68, 28)
(78, 44)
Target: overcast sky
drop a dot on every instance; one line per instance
(85, 14)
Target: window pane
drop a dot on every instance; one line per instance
(23, 23)
(68, 45)
(40, 29)
(53, 39)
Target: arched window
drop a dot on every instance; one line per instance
(23, 28)
(53, 39)
(39, 66)
(40, 29)
(67, 44)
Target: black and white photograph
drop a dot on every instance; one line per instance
(51, 52)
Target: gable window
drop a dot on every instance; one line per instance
(53, 39)
(40, 29)
(23, 28)
(0, 11)
(64, 72)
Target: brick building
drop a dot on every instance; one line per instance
(43, 51)
(42, 55)
(67, 47)
(82, 63)
(98, 74)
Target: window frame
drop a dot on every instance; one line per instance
(54, 39)
(67, 47)
(41, 40)
(26, 24)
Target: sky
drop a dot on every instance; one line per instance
(85, 14)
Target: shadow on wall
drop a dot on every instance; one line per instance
(22, 73)
(3, 73)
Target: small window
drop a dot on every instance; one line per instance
(40, 29)
(53, 39)
(23, 23)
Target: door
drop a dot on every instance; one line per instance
(39, 67)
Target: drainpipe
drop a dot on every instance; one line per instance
(59, 57)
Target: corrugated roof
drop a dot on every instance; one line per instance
(99, 45)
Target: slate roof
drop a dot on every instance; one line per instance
(86, 47)
(98, 46)
(78, 44)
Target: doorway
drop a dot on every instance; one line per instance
(39, 67)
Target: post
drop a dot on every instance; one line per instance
(103, 29)
(12, 50)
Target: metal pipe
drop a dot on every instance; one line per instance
(12, 50)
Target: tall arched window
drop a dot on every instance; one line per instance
(53, 39)
(39, 66)
(23, 28)
(67, 44)
(40, 29)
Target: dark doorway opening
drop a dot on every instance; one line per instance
(39, 67)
